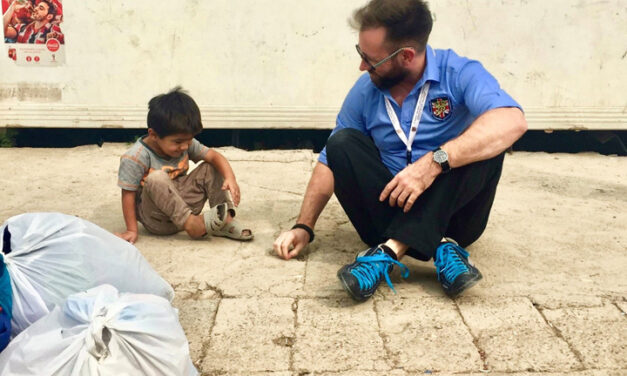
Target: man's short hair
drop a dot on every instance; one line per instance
(52, 10)
(174, 112)
(405, 21)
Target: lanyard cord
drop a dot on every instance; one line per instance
(414, 123)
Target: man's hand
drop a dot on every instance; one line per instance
(411, 182)
(232, 186)
(129, 236)
(289, 244)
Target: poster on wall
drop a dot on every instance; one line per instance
(32, 32)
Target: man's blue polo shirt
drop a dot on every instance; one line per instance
(460, 90)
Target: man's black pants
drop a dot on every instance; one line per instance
(456, 205)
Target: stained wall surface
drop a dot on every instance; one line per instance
(288, 64)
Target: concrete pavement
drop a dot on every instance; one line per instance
(552, 301)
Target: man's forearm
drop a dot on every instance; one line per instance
(488, 136)
(318, 193)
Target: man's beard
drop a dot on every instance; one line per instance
(390, 80)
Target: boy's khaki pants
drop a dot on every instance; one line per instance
(163, 204)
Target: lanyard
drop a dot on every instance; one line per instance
(415, 120)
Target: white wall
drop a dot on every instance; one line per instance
(289, 64)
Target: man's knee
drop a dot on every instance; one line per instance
(342, 137)
(341, 141)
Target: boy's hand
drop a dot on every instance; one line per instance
(129, 236)
(232, 186)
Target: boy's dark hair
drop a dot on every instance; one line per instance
(174, 112)
(406, 21)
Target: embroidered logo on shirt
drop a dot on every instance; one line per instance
(441, 108)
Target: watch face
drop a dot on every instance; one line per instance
(440, 156)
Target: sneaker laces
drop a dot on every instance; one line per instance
(449, 263)
(369, 270)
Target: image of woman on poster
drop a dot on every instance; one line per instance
(43, 17)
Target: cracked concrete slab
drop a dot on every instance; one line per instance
(251, 335)
(542, 225)
(555, 246)
(321, 279)
(514, 336)
(280, 156)
(395, 372)
(270, 373)
(598, 334)
(197, 309)
(427, 335)
(235, 268)
(338, 335)
(558, 300)
(267, 178)
(323, 262)
(599, 372)
(421, 283)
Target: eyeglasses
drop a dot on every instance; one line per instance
(373, 67)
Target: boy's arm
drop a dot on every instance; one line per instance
(130, 217)
(221, 164)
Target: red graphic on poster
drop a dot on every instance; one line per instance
(53, 45)
(33, 28)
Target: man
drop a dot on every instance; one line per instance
(39, 31)
(415, 156)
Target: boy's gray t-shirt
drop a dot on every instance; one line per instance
(140, 160)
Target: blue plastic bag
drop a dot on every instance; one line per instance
(6, 305)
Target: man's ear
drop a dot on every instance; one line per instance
(408, 55)
(152, 133)
(49, 17)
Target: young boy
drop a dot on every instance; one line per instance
(156, 189)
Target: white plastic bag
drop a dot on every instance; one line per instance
(102, 332)
(54, 255)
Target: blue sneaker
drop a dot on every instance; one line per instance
(455, 272)
(361, 278)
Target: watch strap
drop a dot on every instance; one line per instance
(446, 167)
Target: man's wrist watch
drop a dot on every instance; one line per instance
(441, 157)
